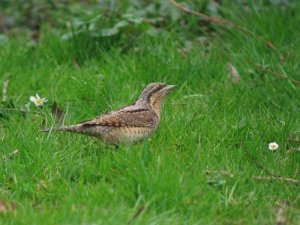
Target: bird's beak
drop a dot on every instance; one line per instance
(166, 89)
(169, 87)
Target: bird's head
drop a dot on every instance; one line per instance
(153, 95)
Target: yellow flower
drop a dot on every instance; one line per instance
(273, 146)
(38, 101)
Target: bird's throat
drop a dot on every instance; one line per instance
(156, 105)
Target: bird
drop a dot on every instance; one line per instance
(129, 124)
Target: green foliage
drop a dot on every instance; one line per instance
(92, 26)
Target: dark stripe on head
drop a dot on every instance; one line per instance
(149, 90)
(156, 88)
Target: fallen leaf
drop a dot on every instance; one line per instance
(234, 75)
(271, 45)
(279, 217)
(10, 156)
(13, 153)
(281, 58)
(3, 206)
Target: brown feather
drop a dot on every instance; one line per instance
(136, 118)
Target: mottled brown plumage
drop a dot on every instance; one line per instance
(128, 124)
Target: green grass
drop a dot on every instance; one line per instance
(208, 123)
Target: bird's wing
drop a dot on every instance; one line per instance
(135, 117)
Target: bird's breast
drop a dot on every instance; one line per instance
(128, 134)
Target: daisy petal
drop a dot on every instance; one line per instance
(32, 98)
(273, 146)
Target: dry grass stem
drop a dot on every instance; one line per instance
(222, 172)
(224, 22)
(4, 90)
(272, 178)
(261, 67)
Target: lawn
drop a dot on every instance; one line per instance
(204, 163)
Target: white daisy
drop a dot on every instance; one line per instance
(38, 101)
(273, 146)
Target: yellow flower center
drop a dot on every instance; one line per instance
(38, 101)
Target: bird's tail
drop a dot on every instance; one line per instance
(70, 128)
